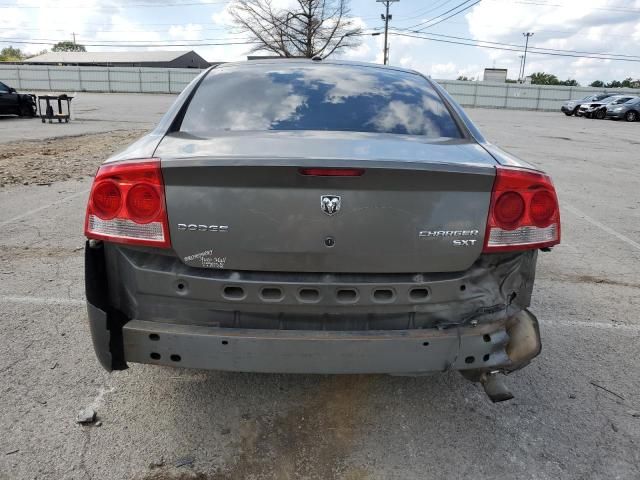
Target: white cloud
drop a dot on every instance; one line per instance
(588, 25)
(603, 26)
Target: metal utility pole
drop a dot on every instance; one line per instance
(526, 45)
(74, 37)
(386, 17)
(520, 69)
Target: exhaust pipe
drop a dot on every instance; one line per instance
(495, 388)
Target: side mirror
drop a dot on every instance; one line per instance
(12, 90)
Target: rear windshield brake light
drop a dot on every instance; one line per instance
(332, 172)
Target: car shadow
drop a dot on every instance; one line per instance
(17, 117)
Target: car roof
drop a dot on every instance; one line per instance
(280, 62)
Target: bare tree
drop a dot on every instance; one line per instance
(311, 28)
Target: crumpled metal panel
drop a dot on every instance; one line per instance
(161, 288)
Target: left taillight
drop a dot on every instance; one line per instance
(127, 204)
(524, 212)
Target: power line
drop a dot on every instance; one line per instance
(452, 15)
(116, 42)
(122, 45)
(202, 42)
(135, 5)
(517, 49)
(544, 4)
(543, 49)
(438, 16)
(164, 30)
(424, 11)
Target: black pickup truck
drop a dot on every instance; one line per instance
(14, 103)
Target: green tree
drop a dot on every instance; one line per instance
(10, 54)
(630, 83)
(614, 84)
(570, 82)
(597, 84)
(542, 78)
(68, 46)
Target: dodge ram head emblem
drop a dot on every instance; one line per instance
(330, 204)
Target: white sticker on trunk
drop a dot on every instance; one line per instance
(207, 259)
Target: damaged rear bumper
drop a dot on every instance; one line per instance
(130, 325)
(503, 346)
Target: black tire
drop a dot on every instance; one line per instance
(600, 114)
(631, 116)
(26, 110)
(568, 114)
(575, 111)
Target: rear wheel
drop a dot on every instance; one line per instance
(631, 116)
(600, 114)
(568, 114)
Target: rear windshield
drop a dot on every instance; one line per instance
(317, 97)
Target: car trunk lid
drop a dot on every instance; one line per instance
(245, 202)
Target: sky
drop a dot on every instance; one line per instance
(594, 26)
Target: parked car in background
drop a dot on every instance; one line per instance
(14, 103)
(630, 111)
(599, 109)
(588, 109)
(296, 216)
(572, 107)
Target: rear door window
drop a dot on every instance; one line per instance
(317, 97)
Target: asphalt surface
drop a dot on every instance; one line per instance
(576, 414)
(91, 113)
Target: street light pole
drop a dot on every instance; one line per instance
(526, 45)
(386, 17)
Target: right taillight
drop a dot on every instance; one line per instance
(524, 212)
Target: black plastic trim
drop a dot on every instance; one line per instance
(105, 334)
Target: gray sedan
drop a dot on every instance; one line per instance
(318, 217)
(630, 111)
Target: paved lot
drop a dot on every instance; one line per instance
(92, 113)
(577, 407)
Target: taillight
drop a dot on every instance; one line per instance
(524, 212)
(127, 204)
(332, 172)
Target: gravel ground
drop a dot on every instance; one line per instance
(42, 162)
(576, 414)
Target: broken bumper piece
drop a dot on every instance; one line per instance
(489, 347)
